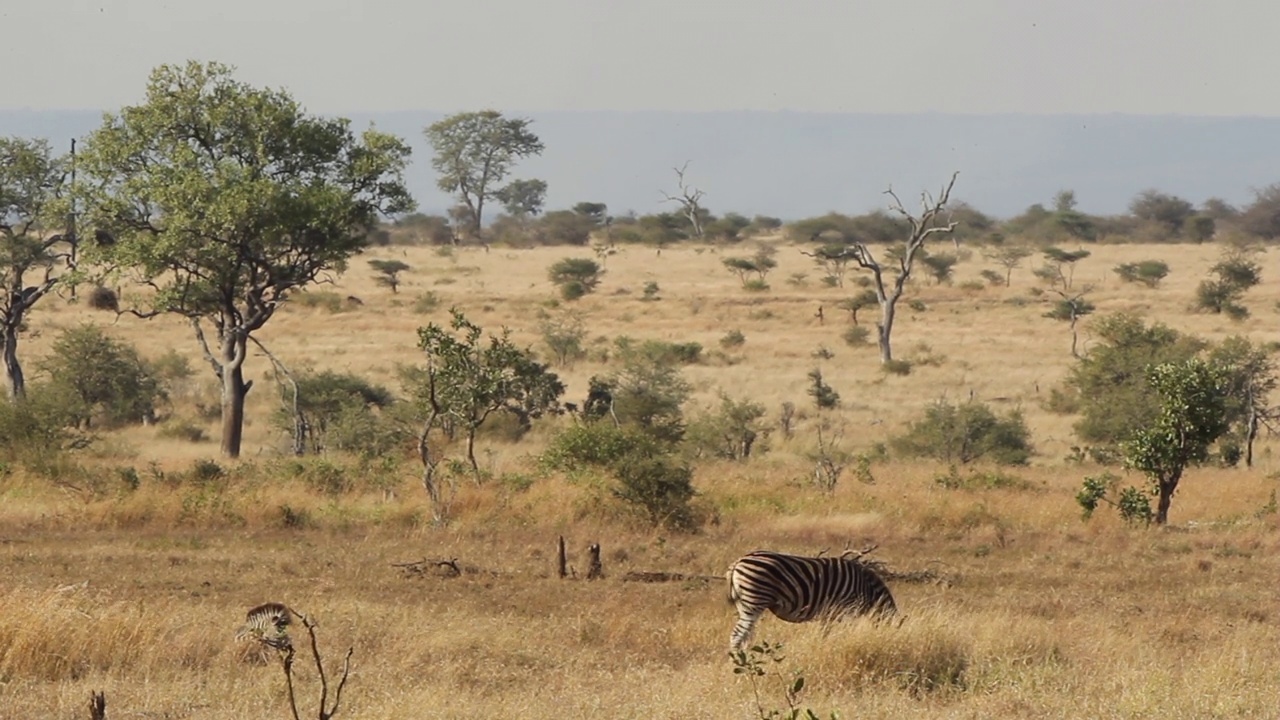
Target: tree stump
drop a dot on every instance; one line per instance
(595, 570)
(562, 562)
(97, 705)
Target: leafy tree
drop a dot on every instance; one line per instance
(33, 191)
(1250, 375)
(328, 405)
(522, 198)
(1066, 218)
(966, 433)
(730, 432)
(759, 265)
(1056, 258)
(1201, 228)
(598, 213)
(562, 227)
(107, 377)
(864, 299)
(649, 391)
(1168, 211)
(1236, 273)
(575, 276)
(466, 380)
(388, 272)
(226, 198)
(1191, 415)
(474, 152)
(1219, 210)
(940, 266)
(1147, 272)
(1108, 384)
(1009, 257)
(834, 260)
(824, 396)
(1262, 217)
(1070, 309)
(563, 336)
(729, 228)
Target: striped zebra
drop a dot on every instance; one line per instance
(799, 589)
(268, 624)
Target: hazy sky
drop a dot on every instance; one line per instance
(1199, 57)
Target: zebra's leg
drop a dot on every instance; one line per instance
(747, 619)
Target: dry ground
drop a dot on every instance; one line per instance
(1031, 613)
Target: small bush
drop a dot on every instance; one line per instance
(651, 291)
(993, 278)
(110, 380)
(755, 285)
(426, 302)
(965, 433)
(575, 276)
(322, 299)
(1147, 272)
(178, 429)
(733, 339)
(103, 298)
(856, 336)
(917, 305)
(896, 367)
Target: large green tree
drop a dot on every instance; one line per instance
(226, 198)
(34, 255)
(474, 152)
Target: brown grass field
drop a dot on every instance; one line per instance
(1031, 612)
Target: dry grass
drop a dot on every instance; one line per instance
(1032, 613)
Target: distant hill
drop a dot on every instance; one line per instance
(793, 165)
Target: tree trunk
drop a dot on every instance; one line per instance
(234, 390)
(15, 383)
(884, 329)
(471, 453)
(1166, 497)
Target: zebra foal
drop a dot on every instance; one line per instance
(799, 589)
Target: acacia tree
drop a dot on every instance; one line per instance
(225, 198)
(33, 261)
(1070, 309)
(922, 227)
(1009, 257)
(474, 152)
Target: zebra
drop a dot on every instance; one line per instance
(799, 589)
(268, 624)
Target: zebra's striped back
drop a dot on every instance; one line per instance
(269, 624)
(799, 589)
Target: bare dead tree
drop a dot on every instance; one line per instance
(299, 420)
(690, 200)
(923, 226)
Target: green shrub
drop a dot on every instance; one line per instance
(965, 433)
(427, 301)
(729, 432)
(110, 381)
(660, 487)
(1147, 272)
(856, 336)
(896, 367)
(323, 299)
(733, 339)
(575, 276)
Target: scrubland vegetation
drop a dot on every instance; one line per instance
(1059, 442)
(129, 562)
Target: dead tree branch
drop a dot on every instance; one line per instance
(690, 201)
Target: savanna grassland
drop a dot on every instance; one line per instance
(1019, 609)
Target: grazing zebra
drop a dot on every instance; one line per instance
(800, 589)
(268, 624)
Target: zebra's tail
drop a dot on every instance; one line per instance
(732, 597)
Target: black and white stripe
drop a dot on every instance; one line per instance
(268, 624)
(799, 589)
